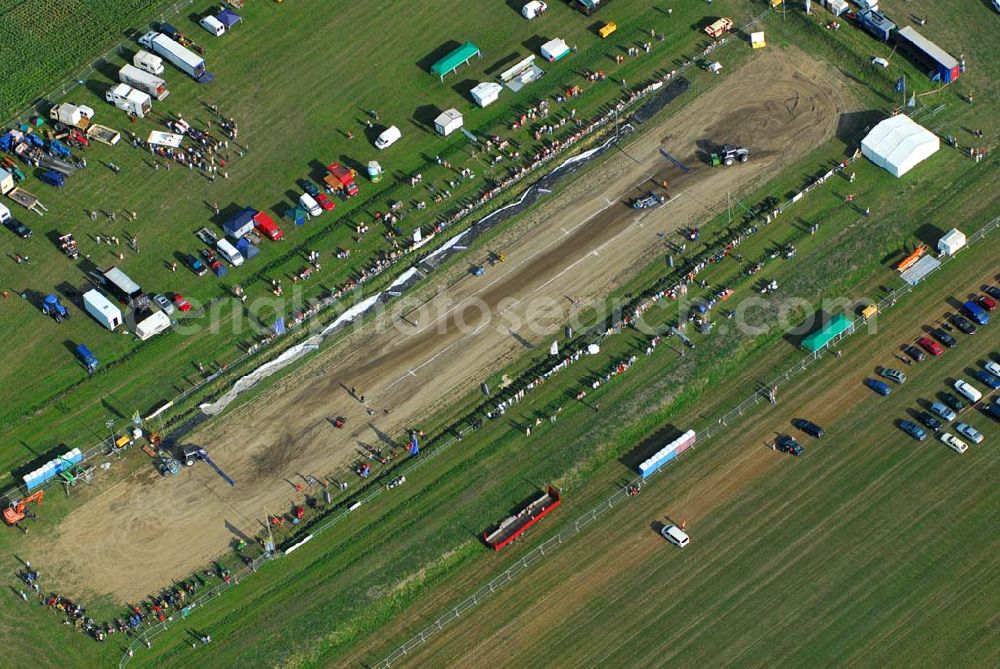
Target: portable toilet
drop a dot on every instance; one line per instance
(448, 122)
(374, 171)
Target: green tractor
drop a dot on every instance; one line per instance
(729, 155)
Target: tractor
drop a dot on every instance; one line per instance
(729, 155)
(51, 306)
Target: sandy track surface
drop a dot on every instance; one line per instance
(144, 531)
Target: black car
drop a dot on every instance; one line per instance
(308, 186)
(993, 411)
(787, 444)
(955, 404)
(963, 324)
(809, 427)
(992, 291)
(929, 420)
(944, 337)
(914, 352)
(18, 228)
(196, 266)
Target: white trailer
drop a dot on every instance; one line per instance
(184, 59)
(77, 116)
(102, 309)
(129, 100)
(6, 181)
(147, 62)
(143, 81)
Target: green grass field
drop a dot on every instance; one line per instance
(293, 114)
(359, 590)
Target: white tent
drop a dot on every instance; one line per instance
(951, 242)
(486, 93)
(898, 144)
(448, 122)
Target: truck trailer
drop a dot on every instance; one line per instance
(133, 102)
(102, 309)
(143, 81)
(182, 58)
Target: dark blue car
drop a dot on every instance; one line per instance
(53, 178)
(878, 386)
(913, 430)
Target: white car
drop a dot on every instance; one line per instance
(992, 367)
(969, 432)
(968, 391)
(953, 442)
(881, 62)
(675, 535)
(165, 305)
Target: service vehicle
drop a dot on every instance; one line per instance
(880, 387)
(341, 179)
(943, 411)
(944, 337)
(912, 429)
(931, 346)
(972, 309)
(809, 427)
(964, 325)
(969, 391)
(891, 374)
(675, 535)
(992, 381)
(929, 420)
(969, 432)
(953, 402)
(953, 442)
(163, 303)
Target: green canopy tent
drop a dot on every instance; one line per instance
(456, 58)
(834, 328)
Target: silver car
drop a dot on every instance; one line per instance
(969, 432)
(943, 412)
(892, 374)
(164, 304)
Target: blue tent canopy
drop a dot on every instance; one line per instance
(228, 18)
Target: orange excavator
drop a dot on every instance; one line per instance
(14, 514)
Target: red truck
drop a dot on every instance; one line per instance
(341, 178)
(266, 226)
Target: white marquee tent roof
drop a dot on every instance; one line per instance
(898, 144)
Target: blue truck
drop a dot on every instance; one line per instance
(88, 359)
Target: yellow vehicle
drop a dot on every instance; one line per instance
(608, 28)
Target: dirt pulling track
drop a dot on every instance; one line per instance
(144, 531)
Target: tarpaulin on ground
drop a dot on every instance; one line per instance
(165, 138)
(352, 313)
(253, 378)
(660, 99)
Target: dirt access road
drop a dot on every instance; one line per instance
(144, 531)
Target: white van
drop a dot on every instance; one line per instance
(388, 137)
(212, 25)
(675, 535)
(229, 252)
(309, 203)
(966, 389)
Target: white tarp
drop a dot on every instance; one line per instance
(898, 144)
(165, 138)
(447, 245)
(404, 277)
(352, 313)
(267, 369)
